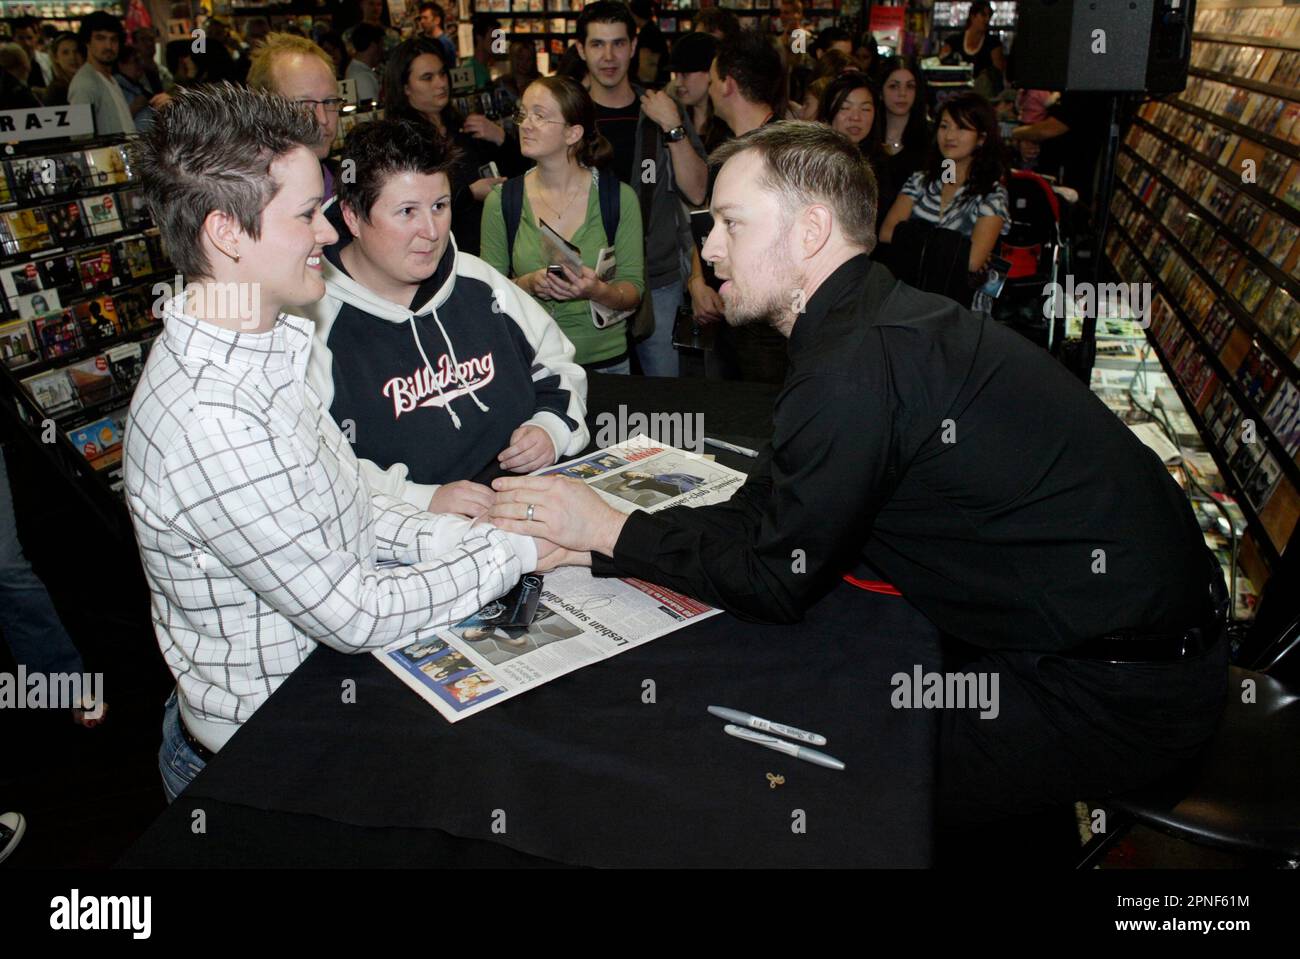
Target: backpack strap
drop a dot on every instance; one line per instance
(512, 209)
(607, 187)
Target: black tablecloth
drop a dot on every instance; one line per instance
(585, 770)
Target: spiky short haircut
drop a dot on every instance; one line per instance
(808, 163)
(211, 149)
(382, 148)
(278, 45)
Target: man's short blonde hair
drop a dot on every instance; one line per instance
(806, 163)
(279, 45)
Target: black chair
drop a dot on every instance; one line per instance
(1244, 796)
(930, 258)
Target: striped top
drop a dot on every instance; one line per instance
(964, 210)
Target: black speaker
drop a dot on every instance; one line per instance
(1114, 46)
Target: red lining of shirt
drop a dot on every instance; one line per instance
(872, 585)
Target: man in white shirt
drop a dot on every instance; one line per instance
(369, 43)
(100, 37)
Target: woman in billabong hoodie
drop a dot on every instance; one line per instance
(438, 369)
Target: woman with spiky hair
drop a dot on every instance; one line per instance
(258, 534)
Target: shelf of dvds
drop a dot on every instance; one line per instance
(1207, 210)
(80, 269)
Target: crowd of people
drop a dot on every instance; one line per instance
(641, 109)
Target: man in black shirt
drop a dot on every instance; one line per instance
(959, 461)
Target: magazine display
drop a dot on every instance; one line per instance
(564, 620)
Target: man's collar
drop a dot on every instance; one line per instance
(845, 284)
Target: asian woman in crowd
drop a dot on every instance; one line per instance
(961, 186)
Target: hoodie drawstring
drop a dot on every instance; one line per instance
(455, 363)
(455, 366)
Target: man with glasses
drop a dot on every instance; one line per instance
(299, 70)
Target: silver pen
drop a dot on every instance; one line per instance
(766, 725)
(783, 746)
(732, 447)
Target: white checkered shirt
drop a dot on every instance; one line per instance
(258, 535)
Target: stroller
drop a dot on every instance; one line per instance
(1038, 255)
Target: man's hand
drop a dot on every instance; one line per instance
(160, 100)
(706, 304)
(530, 449)
(662, 109)
(477, 125)
(463, 498)
(479, 189)
(564, 511)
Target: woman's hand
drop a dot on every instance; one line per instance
(530, 449)
(477, 125)
(577, 286)
(463, 498)
(706, 303)
(550, 556)
(479, 189)
(538, 283)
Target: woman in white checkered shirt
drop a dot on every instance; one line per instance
(258, 535)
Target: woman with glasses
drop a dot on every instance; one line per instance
(557, 130)
(417, 86)
(443, 368)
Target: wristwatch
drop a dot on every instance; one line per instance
(676, 134)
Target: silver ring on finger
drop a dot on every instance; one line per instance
(529, 515)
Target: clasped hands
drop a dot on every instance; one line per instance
(567, 520)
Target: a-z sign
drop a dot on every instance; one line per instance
(43, 123)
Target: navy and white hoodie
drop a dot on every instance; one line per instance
(431, 394)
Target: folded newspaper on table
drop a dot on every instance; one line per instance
(578, 619)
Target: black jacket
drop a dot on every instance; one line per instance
(1003, 499)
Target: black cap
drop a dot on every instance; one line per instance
(693, 53)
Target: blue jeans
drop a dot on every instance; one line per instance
(656, 352)
(28, 621)
(177, 761)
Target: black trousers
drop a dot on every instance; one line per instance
(1070, 729)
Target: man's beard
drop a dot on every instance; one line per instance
(773, 306)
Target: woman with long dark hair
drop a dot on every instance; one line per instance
(904, 128)
(557, 130)
(849, 106)
(417, 86)
(960, 187)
